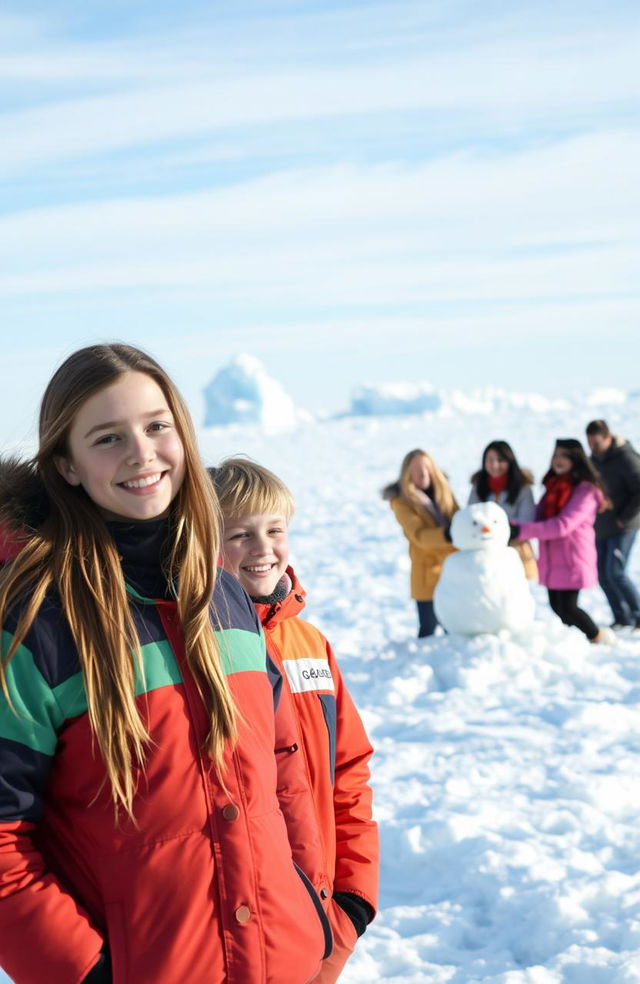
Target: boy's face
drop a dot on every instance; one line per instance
(255, 549)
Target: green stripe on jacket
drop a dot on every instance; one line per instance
(42, 710)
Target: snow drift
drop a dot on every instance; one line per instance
(394, 398)
(400, 399)
(388, 399)
(243, 393)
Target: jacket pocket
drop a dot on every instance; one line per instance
(344, 941)
(322, 916)
(328, 704)
(117, 938)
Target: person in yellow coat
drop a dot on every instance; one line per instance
(423, 504)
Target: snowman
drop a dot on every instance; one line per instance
(482, 587)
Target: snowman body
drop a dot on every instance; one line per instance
(482, 587)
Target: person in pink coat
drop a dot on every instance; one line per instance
(564, 522)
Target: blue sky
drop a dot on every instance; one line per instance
(353, 192)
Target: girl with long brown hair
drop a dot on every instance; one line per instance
(423, 503)
(140, 835)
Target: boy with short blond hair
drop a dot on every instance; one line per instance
(257, 507)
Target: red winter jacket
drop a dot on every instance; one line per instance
(336, 752)
(203, 889)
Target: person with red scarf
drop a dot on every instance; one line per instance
(502, 480)
(564, 526)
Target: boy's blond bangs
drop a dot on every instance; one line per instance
(245, 488)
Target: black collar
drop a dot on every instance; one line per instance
(142, 549)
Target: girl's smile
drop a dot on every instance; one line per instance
(125, 451)
(142, 484)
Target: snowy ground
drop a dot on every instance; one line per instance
(506, 772)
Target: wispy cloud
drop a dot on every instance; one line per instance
(165, 93)
(554, 219)
(384, 164)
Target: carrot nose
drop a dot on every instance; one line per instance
(486, 529)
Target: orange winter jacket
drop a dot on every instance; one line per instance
(336, 752)
(428, 548)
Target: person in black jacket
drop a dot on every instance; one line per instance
(619, 465)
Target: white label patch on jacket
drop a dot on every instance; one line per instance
(308, 674)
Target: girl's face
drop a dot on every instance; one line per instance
(561, 463)
(125, 451)
(495, 465)
(419, 472)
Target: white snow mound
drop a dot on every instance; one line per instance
(242, 392)
(394, 399)
(607, 396)
(389, 399)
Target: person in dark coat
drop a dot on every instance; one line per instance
(619, 466)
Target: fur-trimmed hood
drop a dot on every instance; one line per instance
(24, 504)
(391, 491)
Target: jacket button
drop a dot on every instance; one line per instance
(231, 812)
(243, 914)
(323, 893)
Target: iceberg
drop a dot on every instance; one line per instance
(242, 392)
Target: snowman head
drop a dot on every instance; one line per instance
(482, 526)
